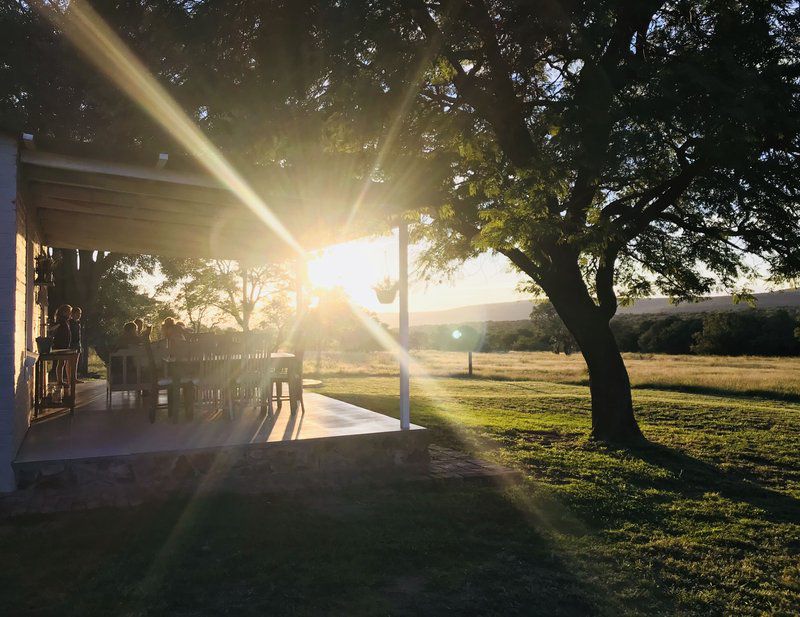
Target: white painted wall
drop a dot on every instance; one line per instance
(19, 318)
(8, 280)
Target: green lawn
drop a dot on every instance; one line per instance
(706, 521)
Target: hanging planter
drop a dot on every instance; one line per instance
(386, 290)
(43, 271)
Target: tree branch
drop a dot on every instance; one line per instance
(500, 107)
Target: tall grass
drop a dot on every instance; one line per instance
(759, 376)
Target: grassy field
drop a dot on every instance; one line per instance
(705, 521)
(750, 375)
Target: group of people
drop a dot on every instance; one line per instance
(173, 330)
(135, 332)
(66, 333)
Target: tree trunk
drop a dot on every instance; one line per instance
(612, 407)
(245, 303)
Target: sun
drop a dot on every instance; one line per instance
(354, 267)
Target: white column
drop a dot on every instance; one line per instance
(12, 425)
(405, 404)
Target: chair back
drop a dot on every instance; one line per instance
(297, 364)
(125, 369)
(257, 348)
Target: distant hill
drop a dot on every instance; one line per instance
(521, 309)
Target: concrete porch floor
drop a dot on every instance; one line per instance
(95, 431)
(115, 458)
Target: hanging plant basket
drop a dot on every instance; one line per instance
(386, 290)
(44, 344)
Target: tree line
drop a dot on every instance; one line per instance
(753, 332)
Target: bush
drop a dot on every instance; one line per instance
(758, 333)
(763, 332)
(673, 335)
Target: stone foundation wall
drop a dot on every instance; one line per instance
(282, 465)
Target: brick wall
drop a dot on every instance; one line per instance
(19, 316)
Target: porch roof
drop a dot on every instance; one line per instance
(86, 203)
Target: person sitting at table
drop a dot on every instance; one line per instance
(139, 325)
(171, 331)
(129, 337)
(185, 332)
(62, 338)
(128, 340)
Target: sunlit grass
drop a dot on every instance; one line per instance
(770, 377)
(704, 522)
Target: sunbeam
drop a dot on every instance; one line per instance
(90, 34)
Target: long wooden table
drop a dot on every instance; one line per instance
(181, 374)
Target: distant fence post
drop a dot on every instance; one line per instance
(470, 364)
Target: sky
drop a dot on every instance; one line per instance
(356, 266)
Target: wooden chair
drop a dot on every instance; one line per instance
(220, 367)
(125, 372)
(154, 376)
(188, 373)
(290, 372)
(254, 372)
(205, 354)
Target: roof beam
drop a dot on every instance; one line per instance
(42, 192)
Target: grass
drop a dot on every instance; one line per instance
(746, 375)
(705, 521)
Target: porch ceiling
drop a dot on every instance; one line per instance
(91, 204)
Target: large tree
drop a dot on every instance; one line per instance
(104, 286)
(234, 291)
(608, 148)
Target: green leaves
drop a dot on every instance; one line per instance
(662, 143)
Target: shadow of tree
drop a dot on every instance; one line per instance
(422, 550)
(689, 477)
(692, 477)
(749, 394)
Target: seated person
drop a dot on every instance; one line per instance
(127, 340)
(185, 332)
(171, 331)
(129, 337)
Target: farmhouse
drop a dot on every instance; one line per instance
(51, 196)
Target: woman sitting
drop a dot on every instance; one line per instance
(171, 331)
(129, 336)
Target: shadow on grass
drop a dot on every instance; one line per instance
(769, 395)
(689, 477)
(693, 478)
(399, 551)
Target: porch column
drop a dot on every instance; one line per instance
(10, 326)
(405, 403)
